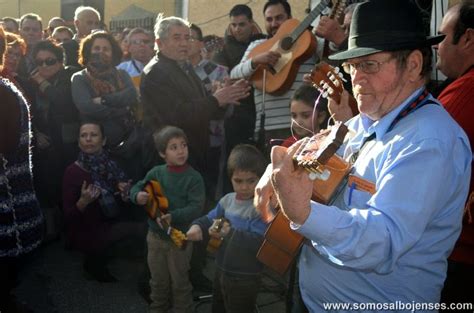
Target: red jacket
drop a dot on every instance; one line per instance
(457, 98)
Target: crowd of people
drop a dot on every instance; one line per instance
(89, 119)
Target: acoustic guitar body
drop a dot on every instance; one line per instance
(281, 244)
(291, 58)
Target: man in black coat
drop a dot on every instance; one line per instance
(172, 94)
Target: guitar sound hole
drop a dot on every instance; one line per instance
(286, 43)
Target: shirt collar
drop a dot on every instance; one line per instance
(381, 126)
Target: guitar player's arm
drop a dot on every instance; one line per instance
(247, 66)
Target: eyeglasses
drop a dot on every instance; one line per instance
(368, 66)
(140, 42)
(46, 62)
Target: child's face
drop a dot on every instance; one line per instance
(176, 153)
(244, 184)
(302, 116)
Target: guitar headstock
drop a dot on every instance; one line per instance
(318, 149)
(337, 11)
(217, 224)
(213, 43)
(328, 80)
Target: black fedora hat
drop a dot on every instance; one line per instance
(385, 25)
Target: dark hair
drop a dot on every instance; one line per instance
(162, 136)
(402, 56)
(48, 45)
(198, 30)
(86, 47)
(63, 29)
(241, 9)
(465, 20)
(284, 3)
(246, 158)
(93, 122)
(31, 16)
(308, 95)
(11, 19)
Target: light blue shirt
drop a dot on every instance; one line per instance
(132, 67)
(392, 245)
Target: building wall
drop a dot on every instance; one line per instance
(199, 10)
(16, 8)
(217, 21)
(115, 7)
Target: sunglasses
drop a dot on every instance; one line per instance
(46, 62)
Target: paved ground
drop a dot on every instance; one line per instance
(54, 283)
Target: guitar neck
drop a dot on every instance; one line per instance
(309, 19)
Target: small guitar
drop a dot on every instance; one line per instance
(215, 243)
(328, 80)
(157, 206)
(295, 43)
(317, 155)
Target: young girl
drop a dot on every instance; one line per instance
(237, 279)
(184, 188)
(305, 120)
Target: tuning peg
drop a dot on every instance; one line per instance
(330, 90)
(325, 94)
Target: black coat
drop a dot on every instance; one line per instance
(174, 96)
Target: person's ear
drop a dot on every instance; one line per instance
(104, 141)
(414, 65)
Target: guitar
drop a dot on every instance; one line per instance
(215, 243)
(328, 80)
(157, 206)
(295, 44)
(337, 13)
(316, 155)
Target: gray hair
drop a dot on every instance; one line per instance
(83, 8)
(163, 25)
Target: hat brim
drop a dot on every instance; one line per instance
(364, 51)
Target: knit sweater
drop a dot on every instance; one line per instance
(21, 220)
(457, 98)
(238, 251)
(184, 188)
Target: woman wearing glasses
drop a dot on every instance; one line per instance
(55, 120)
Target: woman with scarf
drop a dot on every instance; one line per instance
(94, 191)
(107, 95)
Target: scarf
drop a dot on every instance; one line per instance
(104, 171)
(103, 76)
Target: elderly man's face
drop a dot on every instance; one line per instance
(379, 92)
(140, 47)
(86, 22)
(177, 44)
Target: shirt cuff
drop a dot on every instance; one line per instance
(318, 227)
